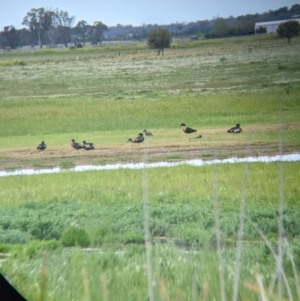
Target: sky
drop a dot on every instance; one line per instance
(138, 12)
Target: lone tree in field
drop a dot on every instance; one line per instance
(159, 39)
(288, 30)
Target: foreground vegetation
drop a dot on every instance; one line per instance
(44, 217)
(83, 236)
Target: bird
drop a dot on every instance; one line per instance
(148, 133)
(138, 139)
(76, 145)
(236, 129)
(187, 130)
(88, 145)
(42, 146)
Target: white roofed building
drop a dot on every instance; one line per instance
(271, 26)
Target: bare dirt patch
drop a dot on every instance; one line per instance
(171, 151)
(26, 158)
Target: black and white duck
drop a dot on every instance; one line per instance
(88, 145)
(42, 146)
(138, 139)
(186, 129)
(236, 129)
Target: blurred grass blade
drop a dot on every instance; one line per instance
(218, 234)
(146, 226)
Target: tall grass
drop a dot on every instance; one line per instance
(182, 266)
(183, 184)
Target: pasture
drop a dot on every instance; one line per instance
(180, 233)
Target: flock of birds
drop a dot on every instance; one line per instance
(139, 139)
(75, 145)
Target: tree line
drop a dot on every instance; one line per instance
(53, 26)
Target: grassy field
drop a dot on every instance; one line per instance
(42, 216)
(180, 233)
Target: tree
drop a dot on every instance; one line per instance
(159, 39)
(10, 36)
(220, 28)
(261, 30)
(24, 37)
(39, 22)
(64, 23)
(179, 28)
(288, 29)
(97, 32)
(82, 29)
(53, 33)
(143, 32)
(295, 9)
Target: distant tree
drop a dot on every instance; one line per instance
(245, 24)
(39, 22)
(295, 9)
(159, 39)
(52, 34)
(220, 28)
(24, 37)
(52, 37)
(10, 36)
(143, 32)
(204, 26)
(64, 24)
(97, 31)
(289, 29)
(261, 30)
(82, 29)
(179, 27)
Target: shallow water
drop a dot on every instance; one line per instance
(195, 162)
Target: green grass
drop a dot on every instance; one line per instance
(106, 98)
(181, 185)
(47, 117)
(108, 206)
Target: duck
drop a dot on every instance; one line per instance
(42, 146)
(88, 145)
(76, 145)
(187, 130)
(236, 129)
(138, 139)
(148, 133)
